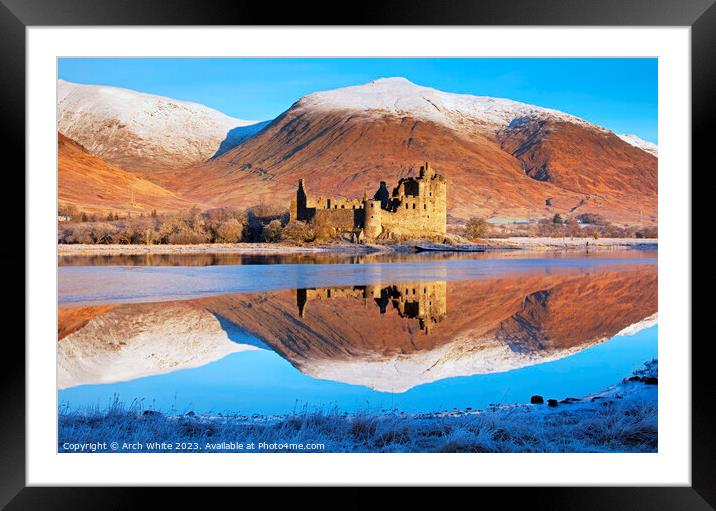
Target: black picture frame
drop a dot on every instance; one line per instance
(17, 15)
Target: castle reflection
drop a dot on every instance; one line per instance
(425, 301)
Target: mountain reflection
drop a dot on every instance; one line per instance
(388, 337)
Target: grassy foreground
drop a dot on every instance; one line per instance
(622, 418)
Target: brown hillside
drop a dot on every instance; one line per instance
(344, 152)
(91, 184)
(616, 175)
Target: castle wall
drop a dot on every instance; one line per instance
(336, 203)
(424, 211)
(417, 206)
(345, 219)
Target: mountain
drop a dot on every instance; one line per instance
(237, 135)
(91, 184)
(138, 131)
(501, 157)
(645, 145)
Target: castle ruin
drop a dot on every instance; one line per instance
(416, 207)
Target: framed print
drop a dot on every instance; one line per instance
(457, 236)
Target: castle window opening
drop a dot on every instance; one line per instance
(413, 205)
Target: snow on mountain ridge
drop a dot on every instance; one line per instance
(130, 128)
(642, 144)
(399, 96)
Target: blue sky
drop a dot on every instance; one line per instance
(619, 94)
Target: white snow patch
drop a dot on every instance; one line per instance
(399, 96)
(116, 124)
(642, 144)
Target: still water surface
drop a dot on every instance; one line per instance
(414, 333)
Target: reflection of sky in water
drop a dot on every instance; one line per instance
(263, 382)
(222, 259)
(86, 285)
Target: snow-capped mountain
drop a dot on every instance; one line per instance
(645, 145)
(501, 157)
(400, 97)
(140, 131)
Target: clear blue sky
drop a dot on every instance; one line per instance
(619, 94)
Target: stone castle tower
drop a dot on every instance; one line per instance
(417, 206)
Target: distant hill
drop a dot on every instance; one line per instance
(93, 185)
(138, 131)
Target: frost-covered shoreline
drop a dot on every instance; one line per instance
(540, 244)
(220, 248)
(622, 418)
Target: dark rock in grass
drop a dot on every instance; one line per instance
(536, 400)
(151, 413)
(552, 402)
(190, 413)
(650, 380)
(596, 398)
(570, 400)
(635, 378)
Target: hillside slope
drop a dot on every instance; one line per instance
(501, 157)
(93, 185)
